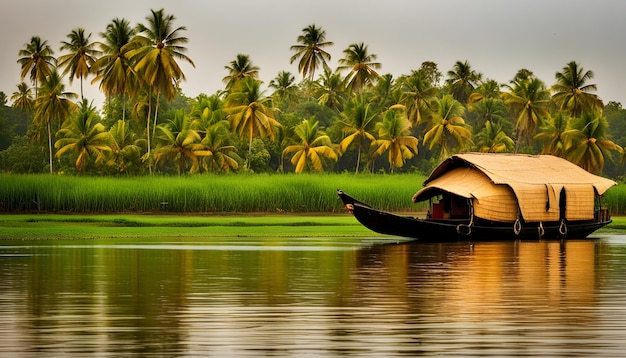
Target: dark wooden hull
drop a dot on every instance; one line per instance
(454, 230)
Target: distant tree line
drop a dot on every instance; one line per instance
(350, 118)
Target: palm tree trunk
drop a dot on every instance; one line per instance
(148, 129)
(249, 152)
(358, 159)
(156, 113)
(123, 107)
(50, 145)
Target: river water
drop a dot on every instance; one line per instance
(312, 297)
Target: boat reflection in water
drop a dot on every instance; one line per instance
(486, 277)
(537, 298)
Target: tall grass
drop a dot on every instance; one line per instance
(220, 193)
(615, 199)
(204, 193)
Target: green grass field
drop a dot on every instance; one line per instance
(58, 226)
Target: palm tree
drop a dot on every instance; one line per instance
(53, 104)
(23, 98)
(488, 89)
(416, 97)
(179, 143)
(448, 128)
(114, 69)
(361, 66)
(311, 51)
(206, 111)
(155, 50)
(81, 57)
(588, 146)
(394, 138)
(248, 114)
(38, 60)
(358, 123)
(493, 110)
(240, 67)
(126, 148)
(385, 92)
(493, 139)
(84, 134)
(284, 85)
(530, 99)
(312, 149)
(462, 79)
(571, 92)
(223, 156)
(553, 134)
(330, 91)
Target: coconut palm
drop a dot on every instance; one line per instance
(313, 149)
(23, 98)
(385, 92)
(284, 85)
(179, 143)
(114, 69)
(37, 59)
(248, 113)
(493, 139)
(81, 56)
(488, 89)
(447, 128)
(359, 123)
(462, 79)
(330, 90)
(311, 51)
(361, 67)
(85, 135)
(206, 111)
(223, 156)
(493, 110)
(572, 93)
(416, 97)
(155, 50)
(240, 67)
(53, 104)
(126, 148)
(530, 100)
(587, 142)
(552, 134)
(394, 138)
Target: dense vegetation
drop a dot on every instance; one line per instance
(351, 118)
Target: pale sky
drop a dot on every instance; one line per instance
(497, 37)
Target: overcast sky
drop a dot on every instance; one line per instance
(497, 37)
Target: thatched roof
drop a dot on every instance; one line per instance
(500, 185)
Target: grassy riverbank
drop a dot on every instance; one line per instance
(57, 226)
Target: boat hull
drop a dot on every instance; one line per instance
(446, 230)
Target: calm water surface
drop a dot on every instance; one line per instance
(312, 297)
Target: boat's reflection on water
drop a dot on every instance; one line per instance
(500, 280)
